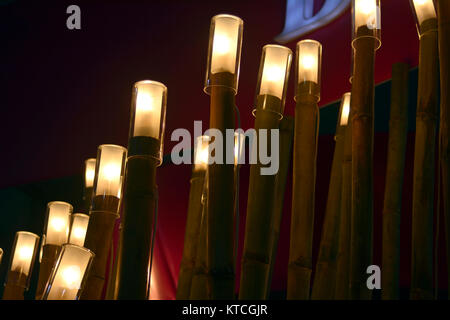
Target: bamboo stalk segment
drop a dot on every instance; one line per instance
(191, 237)
(424, 168)
(398, 133)
(50, 253)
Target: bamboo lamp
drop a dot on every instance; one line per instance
(424, 151)
(443, 11)
(22, 260)
(107, 192)
(56, 233)
(307, 96)
(270, 99)
(225, 44)
(366, 40)
(145, 148)
(194, 218)
(69, 275)
(325, 275)
(89, 175)
(78, 229)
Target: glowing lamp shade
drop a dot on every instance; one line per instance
(366, 19)
(57, 223)
(78, 229)
(201, 153)
(22, 260)
(89, 172)
(109, 171)
(239, 148)
(274, 72)
(69, 273)
(308, 67)
(224, 53)
(344, 110)
(425, 14)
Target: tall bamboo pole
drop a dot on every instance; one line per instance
(304, 170)
(325, 276)
(398, 133)
(424, 155)
(193, 222)
(286, 137)
(443, 9)
(261, 191)
(341, 291)
(365, 43)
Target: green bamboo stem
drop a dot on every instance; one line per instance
(362, 104)
(260, 204)
(443, 9)
(220, 216)
(325, 275)
(286, 137)
(341, 291)
(304, 177)
(398, 133)
(193, 222)
(424, 155)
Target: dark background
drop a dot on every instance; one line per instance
(64, 92)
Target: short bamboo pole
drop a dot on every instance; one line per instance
(87, 198)
(286, 137)
(260, 204)
(304, 177)
(325, 275)
(424, 167)
(398, 133)
(112, 287)
(220, 226)
(443, 9)
(362, 102)
(341, 291)
(50, 253)
(103, 215)
(193, 222)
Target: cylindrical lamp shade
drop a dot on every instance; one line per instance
(239, 143)
(366, 19)
(58, 222)
(425, 14)
(78, 229)
(22, 260)
(201, 153)
(89, 172)
(308, 68)
(344, 110)
(109, 171)
(68, 276)
(224, 51)
(273, 77)
(148, 114)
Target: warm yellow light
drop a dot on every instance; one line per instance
(309, 55)
(201, 154)
(111, 161)
(274, 70)
(366, 6)
(239, 141)
(366, 14)
(226, 42)
(90, 172)
(148, 108)
(78, 229)
(345, 109)
(424, 10)
(309, 62)
(71, 276)
(23, 254)
(58, 222)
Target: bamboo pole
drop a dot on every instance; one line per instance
(325, 275)
(424, 155)
(15, 286)
(220, 227)
(50, 253)
(341, 291)
(362, 105)
(398, 133)
(443, 9)
(304, 177)
(193, 222)
(112, 287)
(286, 137)
(260, 204)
